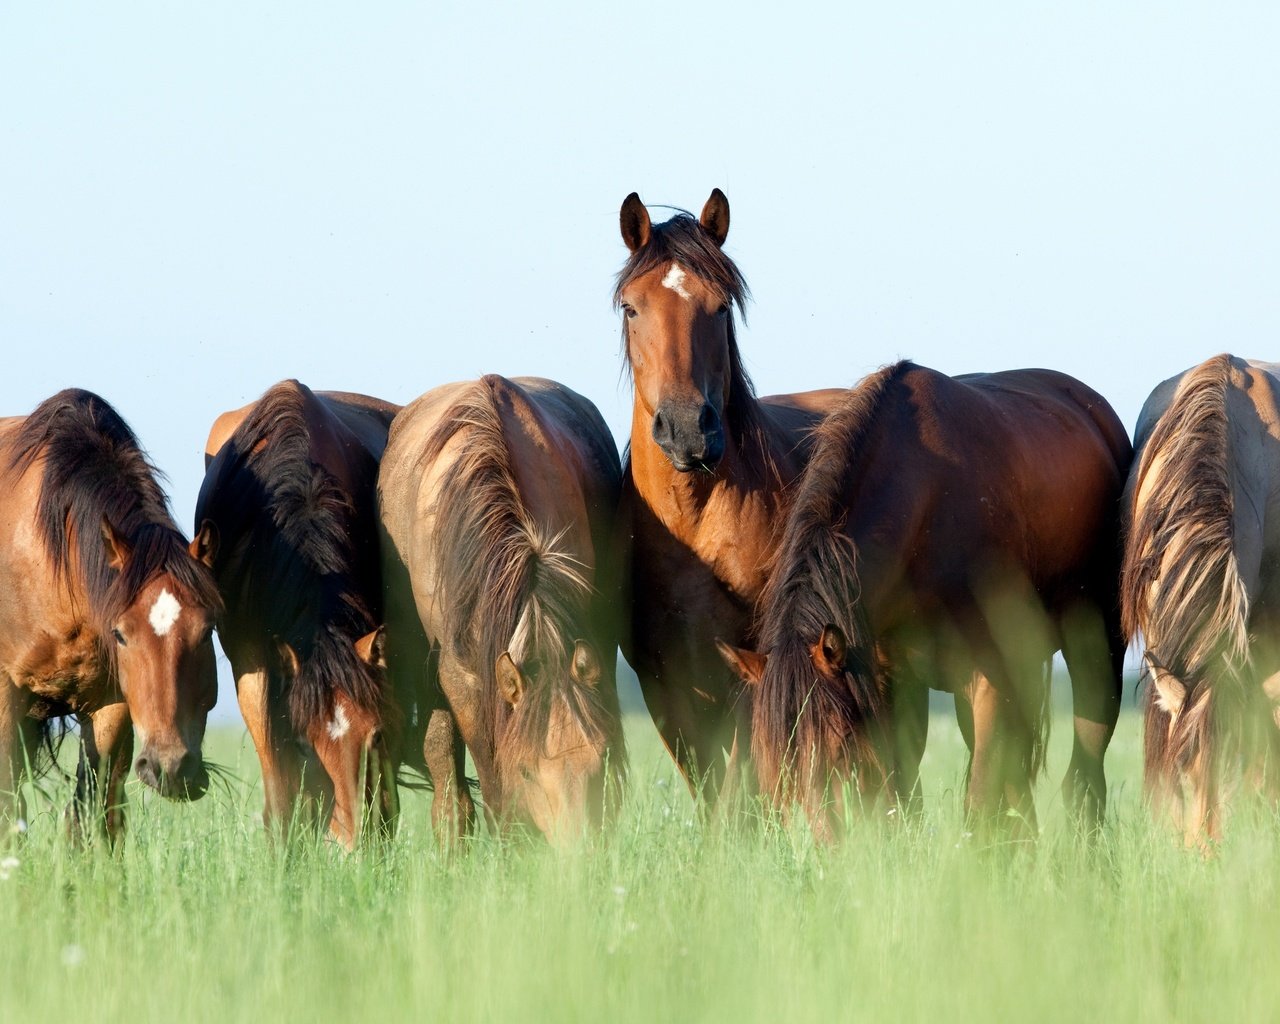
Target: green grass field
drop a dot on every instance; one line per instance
(199, 918)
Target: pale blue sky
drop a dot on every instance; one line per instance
(198, 200)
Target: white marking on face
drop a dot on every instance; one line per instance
(675, 281)
(164, 613)
(340, 724)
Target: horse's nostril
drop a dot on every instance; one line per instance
(707, 418)
(146, 770)
(188, 766)
(662, 432)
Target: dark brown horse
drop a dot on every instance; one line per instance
(287, 524)
(498, 498)
(705, 486)
(949, 532)
(105, 615)
(1201, 584)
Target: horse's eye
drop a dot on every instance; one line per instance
(723, 310)
(119, 637)
(630, 312)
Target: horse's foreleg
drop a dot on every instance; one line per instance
(281, 762)
(999, 776)
(106, 753)
(452, 810)
(1093, 649)
(19, 737)
(910, 731)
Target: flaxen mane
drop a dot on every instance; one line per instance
(684, 241)
(814, 583)
(1180, 585)
(298, 552)
(509, 585)
(94, 471)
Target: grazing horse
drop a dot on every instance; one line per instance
(497, 497)
(1200, 581)
(286, 522)
(950, 532)
(106, 616)
(706, 483)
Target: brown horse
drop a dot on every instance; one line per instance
(1200, 582)
(705, 487)
(951, 532)
(498, 497)
(287, 524)
(107, 616)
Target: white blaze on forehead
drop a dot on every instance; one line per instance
(164, 613)
(675, 281)
(340, 724)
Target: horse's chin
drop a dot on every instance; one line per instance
(694, 466)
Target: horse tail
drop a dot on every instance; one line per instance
(1181, 585)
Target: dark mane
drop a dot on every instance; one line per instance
(683, 240)
(510, 585)
(814, 583)
(94, 471)
(1180, 583)
(297, 557)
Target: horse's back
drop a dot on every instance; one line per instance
(368, 419)
(1021, 468)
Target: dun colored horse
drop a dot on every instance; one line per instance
(498, 497)
(706, 483)
(107, 616)
(286, 522)
(953, 533)
(1201, 584)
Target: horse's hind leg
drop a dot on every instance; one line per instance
(1093, 649)
(106, 752)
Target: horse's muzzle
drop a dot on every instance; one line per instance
(178, 777)
(691, 436)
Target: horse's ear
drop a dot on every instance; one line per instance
(586, 666)
(510, 679)
(746, 665)
(832, 650)
(1171, 693)
(288, 658)
(372, 648)
(204, 548)
(118, 549)
(634, 221)
(715, 216)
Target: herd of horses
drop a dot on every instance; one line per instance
(788, 576)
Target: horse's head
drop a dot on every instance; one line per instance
(1181, 751)
(553, 755)
(346, 734)
(163, 651)
(810, 726)
(676, 293)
